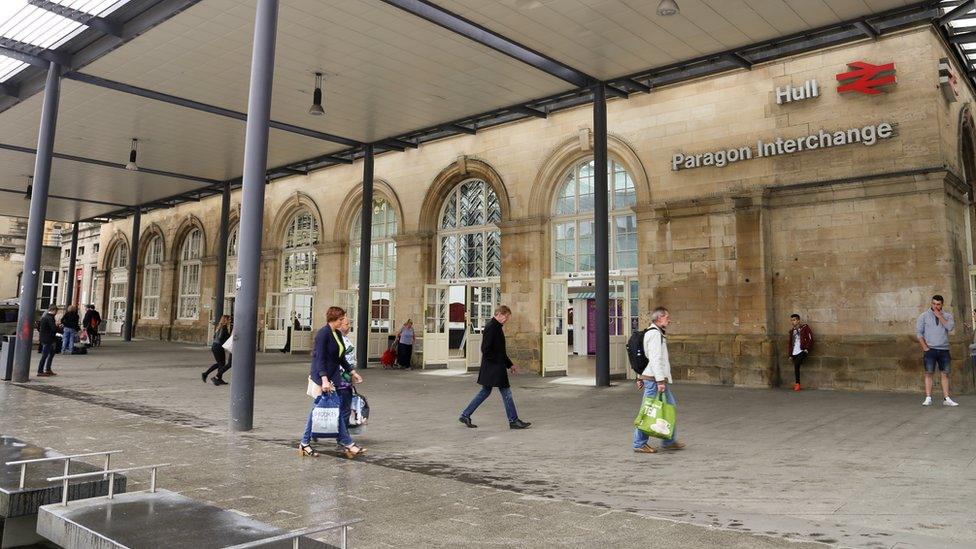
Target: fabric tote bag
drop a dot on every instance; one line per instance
(325, 416)
(656, 417)
(229, 344)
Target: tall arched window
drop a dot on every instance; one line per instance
(298, 267)
(230, 281)
(151, 276)
(382, 267)
(572, 221)
(468, 240)
(117, 286)
(190, 254)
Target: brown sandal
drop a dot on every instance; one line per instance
(306, 450)
(645, 449)
(352, 451)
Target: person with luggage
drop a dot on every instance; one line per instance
(70, 324)
(494, 371)
(90, 323)
(801, 340)
(327, 371)
(47, 334)
(220, 336)
(656, 378)
(404, 344)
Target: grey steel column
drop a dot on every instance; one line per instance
(35, 224)
(130, 288)
(601, 236)
(252, 215)
(69, 293)
(365, 247)
(220, 287)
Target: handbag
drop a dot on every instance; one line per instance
(358, 410)
(656, 417)
(325, 416)
(229, 344)
(313, 390)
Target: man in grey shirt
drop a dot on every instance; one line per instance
(932, 329)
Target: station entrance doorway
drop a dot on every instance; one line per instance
(569, 325)
(380, 312)
(288, 318)
(455, 315)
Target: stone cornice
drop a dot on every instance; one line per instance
(419, 238)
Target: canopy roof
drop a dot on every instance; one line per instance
(398, 73)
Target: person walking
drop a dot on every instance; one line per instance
(801, 340)
(404, 344)
(220, 336)
(656, 378)
(70, 326)
(344, 328)
(932, 329)
(90, 324)
(494, 371)
(327, 369)
(47, 333)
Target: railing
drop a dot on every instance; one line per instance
(65, 479)
(296, 535)
(67, 463)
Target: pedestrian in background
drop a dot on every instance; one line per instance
(404, 344)
(70, 324)
(656, 378)
(801, 340)
(932, 329)
(220, 336)
(47, 331)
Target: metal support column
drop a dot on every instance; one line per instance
(35, 225)
(365, 247)
(252, 215)
(220, 288)
(130, 287)
(69, 284)
(600, 234)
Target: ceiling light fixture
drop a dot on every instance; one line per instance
(667, 8)
(132, 157)
(316, 108)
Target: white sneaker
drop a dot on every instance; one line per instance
(949, 402)
(927, 401)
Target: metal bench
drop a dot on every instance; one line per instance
(161, 518)
(24, 487)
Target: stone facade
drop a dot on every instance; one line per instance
(855, 238)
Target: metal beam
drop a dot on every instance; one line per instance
(868, 29)
(31, 54)
(68, 198)
(98, 23)
(460, 129)
(522, 109)
(203, 107)
(10, 90)
(365, 250)
(956, 12)
(963, 38)
(739, 59)
(491, 39)
(639, 85)
(616, 91)
(115, 165)
(601, 209)
(69, 293)
(220, 284)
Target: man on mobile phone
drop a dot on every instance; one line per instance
(932, 329)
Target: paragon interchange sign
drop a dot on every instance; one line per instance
(868, 135)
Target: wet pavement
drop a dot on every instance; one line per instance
(763, 468)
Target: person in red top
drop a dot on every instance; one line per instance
(801, 340)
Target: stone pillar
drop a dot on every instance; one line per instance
(753, 359)
(524, 252)
(415, 268)
(332, 275)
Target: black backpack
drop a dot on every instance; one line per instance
(635, 352)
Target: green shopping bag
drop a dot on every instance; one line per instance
(656, 417)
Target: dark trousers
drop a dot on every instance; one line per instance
(797, 362)
(222, 364)
(403, 354)
(47, 353)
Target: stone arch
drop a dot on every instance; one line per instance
(445, 182)
(352, 204)
(148, 233)
(294, 204)
(118, 238)
(189, 223)
(572, 150)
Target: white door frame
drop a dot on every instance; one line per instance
(436, 333)
(555, 340)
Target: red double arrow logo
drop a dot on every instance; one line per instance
(866, 78)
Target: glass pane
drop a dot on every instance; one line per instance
(624, 195)
(565, 247)
(587, 252)
(625, 230)
(586, 187)
(566, 198)
(472, 204)
(471, 255)
(449, 219)
(493, 254)
(449, 259)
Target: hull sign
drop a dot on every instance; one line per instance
(867, 135)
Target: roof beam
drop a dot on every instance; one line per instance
(868, 29)
(639, 85)
(31, 54)
(738, 59)
(9, 90)
(956, 12)
(963, 38)
(71, 198)
(107, 164)
(611, 90)
(522, 109)
(460, 129)
(491, 39)
(98, 23)
(203, 107)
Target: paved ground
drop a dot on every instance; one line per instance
(763, 468)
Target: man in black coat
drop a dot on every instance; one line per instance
(47, 330)
(494, 371)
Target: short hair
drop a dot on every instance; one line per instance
(334, 313)
(503, 310)
(796, 316)
(658, 313)
(52, 309)
(938, 298)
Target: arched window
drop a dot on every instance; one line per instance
(572, 221)
(382, 267)
(469, 241)
(298, 267)
(190, 254)
(117, 286)
(151, 277)
(230, 281)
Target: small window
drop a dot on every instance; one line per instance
(81, 250)
(95, 248)
(67, 252)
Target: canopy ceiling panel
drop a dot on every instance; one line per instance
(98, 123)
(613, 38)
(387, 72)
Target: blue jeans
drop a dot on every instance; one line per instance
(345, 408)
(650, 390)
(483, 394)
(68, 344)
(936, 357)
(47, 353)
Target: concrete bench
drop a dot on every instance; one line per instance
(24, 488)
(161, 518)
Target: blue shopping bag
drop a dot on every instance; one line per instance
(325, 416)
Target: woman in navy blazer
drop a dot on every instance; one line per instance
(331, 371)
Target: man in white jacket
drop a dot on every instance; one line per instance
(656, 377)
